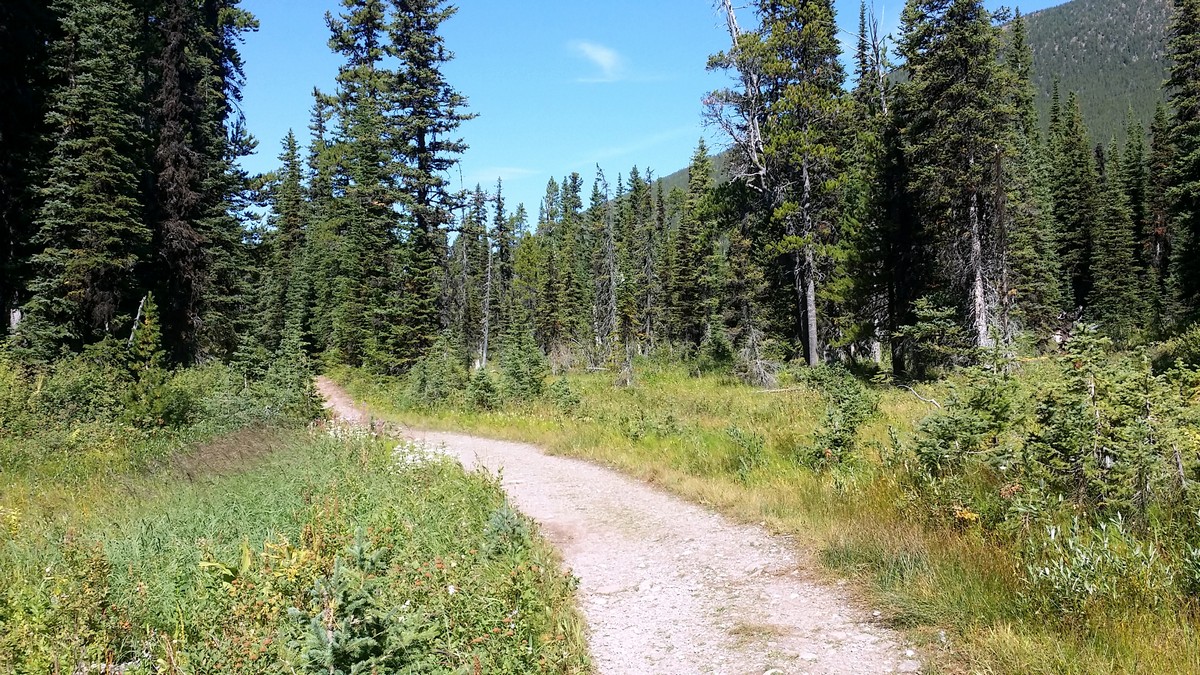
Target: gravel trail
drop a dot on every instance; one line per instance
(668, 586)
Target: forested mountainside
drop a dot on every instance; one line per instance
(1112, 53)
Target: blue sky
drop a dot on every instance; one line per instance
(558, 86)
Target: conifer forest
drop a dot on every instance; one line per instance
(910, 307)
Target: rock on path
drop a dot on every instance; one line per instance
(667, 586)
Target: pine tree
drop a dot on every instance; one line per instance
(91, 233)
(1183, 48)
(1158, 242)
(954, 134)
(1033, 292)
(27, 29)
(429, 114)
(368, 248)
(802, 130)
(1115, 300)
(504, 243)
(691, 245)
(1076, 201)
(286, 243)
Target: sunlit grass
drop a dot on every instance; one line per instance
(199, 562)
(956, 591)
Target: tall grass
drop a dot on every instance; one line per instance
(323, 552)
(958, 589)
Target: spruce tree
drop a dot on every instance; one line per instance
(91, 234)
(368, 246)
(27, 29)
(803, 129)
(1116, 299)
(1076, 201)
(1158, 242)
(428, 115)
(287, 275)
(1033, 296)
(1183, 48)
(954, 136)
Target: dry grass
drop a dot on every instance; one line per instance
(955, 591)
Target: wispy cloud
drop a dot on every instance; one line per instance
(637, 145)
(607, 60)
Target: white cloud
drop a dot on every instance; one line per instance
(610, 63)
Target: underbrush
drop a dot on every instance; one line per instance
(337, 552)
(1019, 517)
(115, 409)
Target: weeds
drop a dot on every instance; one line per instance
(931, 505)
(343, 553)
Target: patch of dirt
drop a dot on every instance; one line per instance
(668, 586)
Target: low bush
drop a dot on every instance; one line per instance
(337, 553)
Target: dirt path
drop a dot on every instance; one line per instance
(668, 586)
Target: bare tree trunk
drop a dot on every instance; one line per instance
(752, 139)
(810, 307)
(809, 272)
(979, 314)
(487, 306)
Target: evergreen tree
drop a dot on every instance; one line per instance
(691, 245)
(1116, 299)
(368, 249)
(504, 242)
(1158, 242)
(954, 136)
(91, 232)
(286, 244)
(27, 29)
(803, 129)
(1183, 47)
(1076, 201)
(1032, 295)
(428, 114)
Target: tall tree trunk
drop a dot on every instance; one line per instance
(808, 298)
(810, 306)
(979, 316)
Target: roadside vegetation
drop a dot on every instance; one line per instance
(205, 520)
(1019, 515)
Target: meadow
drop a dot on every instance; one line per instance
(982, 572)
(245, 538)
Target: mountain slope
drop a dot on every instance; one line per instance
(1111, 52)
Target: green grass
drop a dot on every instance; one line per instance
(228, 559)
(957, 590)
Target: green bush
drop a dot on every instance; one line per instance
(848, 405)
(565, 399)
(439, 378)
(524, 369)
(482, 392)
(328, 555)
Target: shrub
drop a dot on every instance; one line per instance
(936, 339)
(438, 378)
(1078, 570)
(524, 368)
(565, 399)
(848, 405)
(482, 392)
